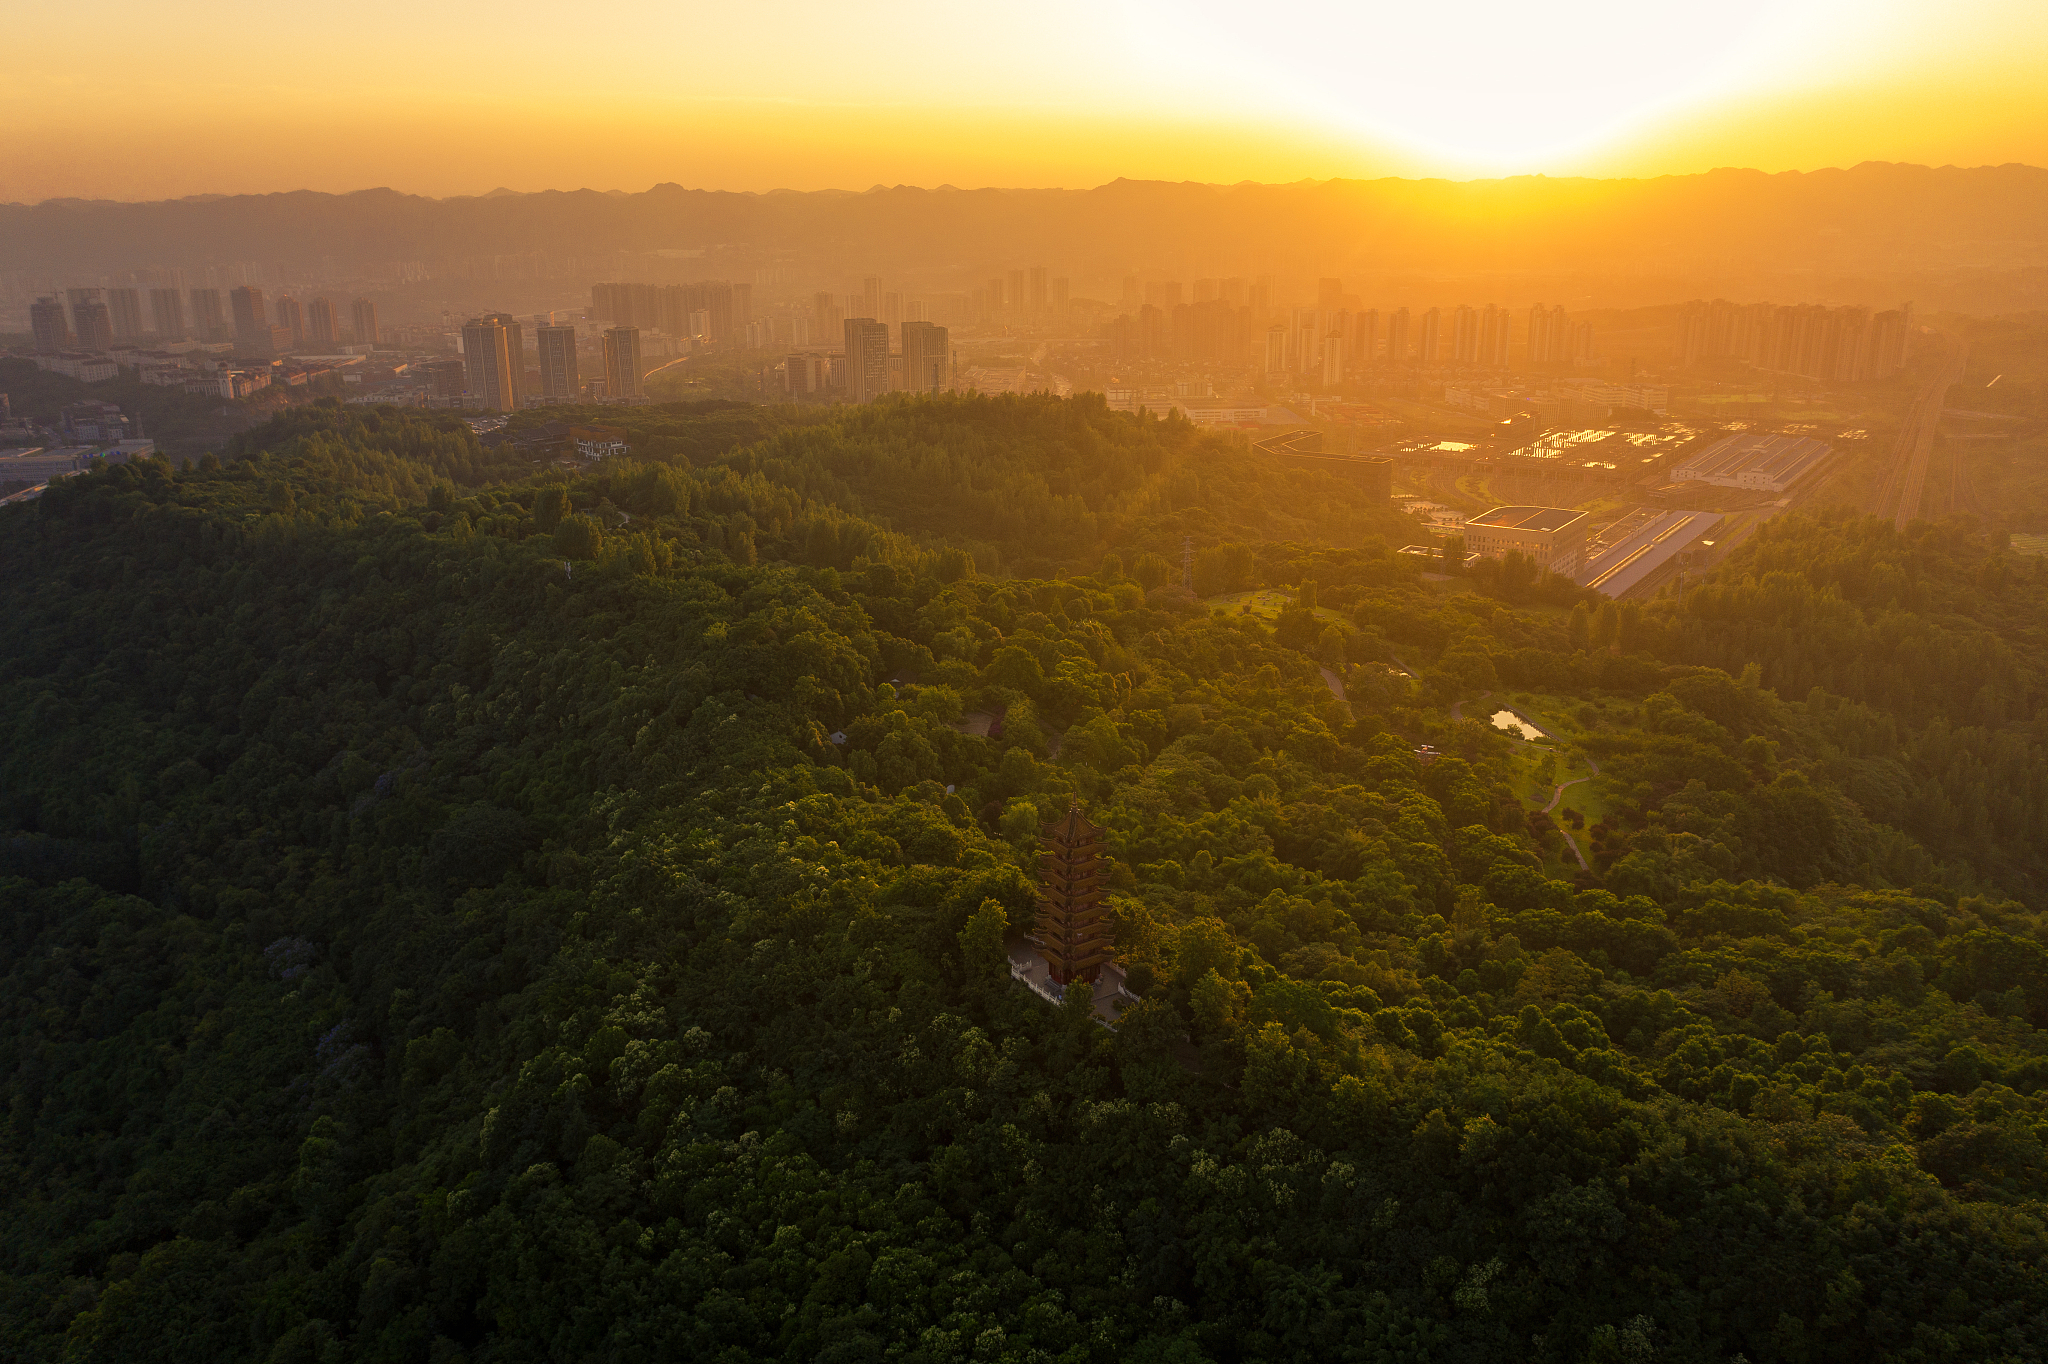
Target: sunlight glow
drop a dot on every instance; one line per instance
(1487, 84)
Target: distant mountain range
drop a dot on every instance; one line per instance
(1874, 219)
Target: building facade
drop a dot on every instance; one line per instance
(320, 328)
(867, 359)
(252, 321)
(1554, 537)
(209, 318)
(124, 313)
(364, 313)
(491, 363)
(167, 311)
(622, 362)
(558, 379)
(47, 322)
(927, 358)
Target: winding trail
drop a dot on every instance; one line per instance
(1458, 707)
(1556, 793)
(1336, 686)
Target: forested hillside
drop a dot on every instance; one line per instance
(457, 914)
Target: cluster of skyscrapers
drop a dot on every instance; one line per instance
(100, 319)
(1839, 344)
(867, 366)
(1329, 343)
(493, 366)
(712, 309)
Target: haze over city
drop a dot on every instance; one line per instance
(1139, 683)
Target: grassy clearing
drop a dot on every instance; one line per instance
(1265, 603)
(1565, 722)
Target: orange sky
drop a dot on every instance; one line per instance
(441, 99)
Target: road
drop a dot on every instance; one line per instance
(1899, 495)
(1458, 707)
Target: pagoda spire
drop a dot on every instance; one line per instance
(1072, 924)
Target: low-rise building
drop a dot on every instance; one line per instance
(86, 368)
(1554, 537)
(1755, 460)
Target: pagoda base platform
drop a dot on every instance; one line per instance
(1028, 967)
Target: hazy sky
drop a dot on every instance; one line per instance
(137, 99)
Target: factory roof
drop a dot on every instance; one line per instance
(1527, 518)
(1774, 457)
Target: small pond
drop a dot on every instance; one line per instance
(1516, 725)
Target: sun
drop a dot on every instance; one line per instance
(1484, 84)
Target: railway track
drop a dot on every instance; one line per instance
(1905, 483)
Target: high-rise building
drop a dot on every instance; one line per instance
(892, 307)
(1843, 344)
(1205, 289)
(1365, 336)
(1276, 351)
(742, 304)
(1132, 297)
(871, 296)
(1333, 360)
(1329, 294)
(291, 317)
(867, 359)
(1397, 338)
(491, 363)
(1549, 338)
(167, 311)
(515, 343)
(825, 315)
(1163, 293)
(365, 313)
(995, 298)
(124, 312)
(1581, 343)
(927, 358)
(1016, 293)
(1495, 328)
(557, 362)
(1428, 336)
(1061, 290)
(1304, 340)
(1153, 341)
(1037, 289)
(622, 362)
(46, 320)
(78, 298)
(1465, 335)
(93, 325)
(252, 322)
(1232, 291)
(320, 328)
(209, 319)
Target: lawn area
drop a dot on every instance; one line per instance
(1265, 603)
(1558, 718)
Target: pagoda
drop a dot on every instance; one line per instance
(1072, 926)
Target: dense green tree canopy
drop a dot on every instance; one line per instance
(452, 912)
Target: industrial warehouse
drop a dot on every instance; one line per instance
(1759, 461)
(1629, 551)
